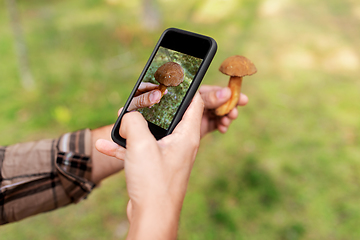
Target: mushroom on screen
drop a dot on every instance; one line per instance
(170, 74)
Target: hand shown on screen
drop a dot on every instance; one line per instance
(146, 95)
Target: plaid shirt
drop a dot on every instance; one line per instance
(41, 176)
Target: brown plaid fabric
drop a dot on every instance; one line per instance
(41, 176)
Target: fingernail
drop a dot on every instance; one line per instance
(155, 96)
(222, 93)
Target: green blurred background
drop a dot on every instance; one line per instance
(289, 166)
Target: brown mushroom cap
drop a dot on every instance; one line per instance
(170, 74)
(237, 66)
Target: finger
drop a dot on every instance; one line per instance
(222, 128)
(233, 114)
(145, 100)
(134, 129)
(207, 88)
(120, 110)
(110, 148)
(215, 98)
(225, 121)
(243, 100)
(147, 86)
(129, 211)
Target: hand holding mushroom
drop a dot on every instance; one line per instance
(236, 67)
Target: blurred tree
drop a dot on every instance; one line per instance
(151, 19)
(27, 80)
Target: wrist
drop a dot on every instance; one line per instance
(103, 165)
(156, 219)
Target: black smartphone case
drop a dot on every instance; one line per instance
(194, 50)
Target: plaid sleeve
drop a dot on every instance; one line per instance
(41, 176)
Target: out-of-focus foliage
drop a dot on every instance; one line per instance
(288, 167)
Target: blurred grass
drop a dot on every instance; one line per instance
(288, 167)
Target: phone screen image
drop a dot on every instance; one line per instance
(172, 72)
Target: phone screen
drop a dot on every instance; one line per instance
(176, 67)
(172, 72)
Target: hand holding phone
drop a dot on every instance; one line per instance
(169, 81)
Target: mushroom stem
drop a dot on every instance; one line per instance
(162, 88)
(235, 86)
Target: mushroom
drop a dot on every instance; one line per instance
(170, 74)
(236, 67)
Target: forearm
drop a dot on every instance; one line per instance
(51, 173)
(103, 165)
(44, 175)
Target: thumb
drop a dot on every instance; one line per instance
(191, 121)
(216, 97)
(129, 211)
(110, 148)
(134, 129)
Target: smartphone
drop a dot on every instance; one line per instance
(176, 66)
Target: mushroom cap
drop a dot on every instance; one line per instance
(237, 66)
(170, 74)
